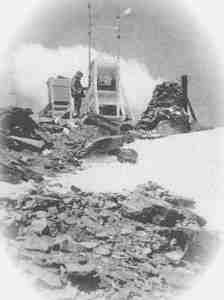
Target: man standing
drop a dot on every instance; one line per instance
(77, 91)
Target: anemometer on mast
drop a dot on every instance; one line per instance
(117, 29)
(105, 95)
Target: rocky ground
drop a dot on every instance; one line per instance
(144, 244)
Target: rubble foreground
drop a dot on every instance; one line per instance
(145, 244)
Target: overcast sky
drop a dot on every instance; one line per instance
(161, 34)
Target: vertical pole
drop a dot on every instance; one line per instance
(90, 41)
(118, 29)
(184, 81)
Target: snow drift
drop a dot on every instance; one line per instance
(191, 165)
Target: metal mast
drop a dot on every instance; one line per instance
(118, 29)
(118, 33)
(90, 41)
(184, 82)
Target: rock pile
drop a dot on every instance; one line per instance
(167, 105)
(14, 169)
(38, 149)
(18, 130)
(117, 246)
(32, 150)
(17, 121)
(168, 94)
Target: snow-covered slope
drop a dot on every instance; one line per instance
(191, 165)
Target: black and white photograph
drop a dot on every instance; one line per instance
(111, 150)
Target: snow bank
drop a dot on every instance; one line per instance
(14, 284)
(14, 190)
(191, 165)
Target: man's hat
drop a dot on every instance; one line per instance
(78, 74)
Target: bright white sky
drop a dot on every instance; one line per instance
(13, 14)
